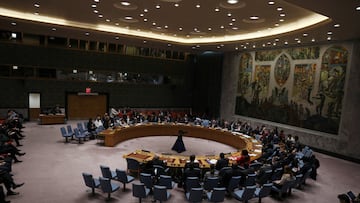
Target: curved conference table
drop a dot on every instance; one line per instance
(237, 140)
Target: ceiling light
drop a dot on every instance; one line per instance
(233, 19)
(144, 41)
(187, 35)
(358, 8)
(236, 48)
(281, 20)
(13, 35)
(93, 6)
(221, 45)
(13, 23)
(329, 33)
(232, 1)
(153, 23)
(279, 8)
(166, 26)
(145, 19)
(282, 14)
(274, 43)
(37, 5)
(299, 41)
(157, 6)
(328, 38)
(217, 9)
(117, 24)
(74, 71)
(286, 43)
(96, 11)
(235, 28)
(180, 28)
(277, 25)
(15, 67)
(158, 27)
(107, 20)
(209, 28)
(97, 1)
(117, 38)
(254, 46)
(296, 39)
(197, 6)
(197, 46)
(169, 45)
(36, 13)
(337, 25)
(125, 3)
(141, 15)
(254, 17)
(230, 24)
(229, 14)
(263, 45)
(128, 18)
(271, 2)
(305, 34)
(222, 27)
(91, 72)
(146, 10)
(100, 16)
(313, 39)
(53, 29)
(276, 40)
(87, 34)
(244, 47)
(176, 5)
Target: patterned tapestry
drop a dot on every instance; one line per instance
(283, 88)
(245, 71)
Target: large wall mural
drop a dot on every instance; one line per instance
(295, 86)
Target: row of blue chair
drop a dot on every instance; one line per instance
(80, 133)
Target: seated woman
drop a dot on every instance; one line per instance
(243, 160)
(287, 176)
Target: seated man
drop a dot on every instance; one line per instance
(192, 162)
(222, 162)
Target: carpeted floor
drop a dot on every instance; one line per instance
(52, 169)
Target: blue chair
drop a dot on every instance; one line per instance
(161, 194)
(123, 177)
(210, 183)
(107, 173)
(166, 181)
(256, 165)
(91, 182)
(194, 195)
(82, 129)
(78, 135)
(65, 134)
(284, 189)
(140, 191)
(277, 174)
(107, 186)
(250, 180)
(191, 182)
(265, 178)
(246, 194)
(70, 131)
(133, 166)
(217, 195)
(233, 183)
(147, 180)
(264, 191)
(305, 176)
(85, 125)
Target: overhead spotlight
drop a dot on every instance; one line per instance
(37, 5)
(254, 17)
(176, 5)
(232, 1)
(271, 2)
(279, 8)
(217, 9)
(328, 38)
(329, 33)
(358, 8)
(337, 25)
(197, 6)
(13, 23)
(157, 6)
(125, 3)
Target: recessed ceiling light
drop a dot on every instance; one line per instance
(125, 3)
(37, 5)
(281, 20)
(279, 8)
(230, 24)
(232, 1)
(97, 1)
(254, 17)
(277, 25)
(180, 28)
(53, 29)
(13, 35)
(245, 47)
(100, 16)
(96, 11)
(87, 34)
(263, 45)
(286, 43)
(141, 15)
(176, 5)
(13, 23)
(128, 18)
(145, 19)
(209, 29)
(117, 24)
(276, 40)
(337, 25)
(221, 45)
(222, 27)
(74, 71)
(329, 33)
(233, 19)
(157, 6)
(358, 8)
(153, 23)
(107, 20)
(93, 6)
(166, 26)
(274, 43)
(235, 28)
(158, 27)
(36, 13)
(282, 14)
(144, 41)
(91, 72)
(271, 2)
(217, 9)
(197, 46)
(296, 39)
(328, 38)
(187, 35)
(169, 45)
(15, 67)
(197, 6)
(299, 41)
(146, 10)
(313, 39)
(117, 38)
(254, 46)
(305, 34)
(229, 14)
(236, 48)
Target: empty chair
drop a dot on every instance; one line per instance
(123, 177)
(233, 183)
(210, 183)
(191, 182)
(133, 166)
(166, 181)
(250, 179)
(284, 189)
(160, 193)
(107, 186)
(65, 134)
(107, 173)
(263, 191)
(217, 195)
(91, 182)
(79, 136)
(70, 131)
(147, 180)
(246, 194)
(140, 191)
(85, 125)
(82, 129)
(194, 195)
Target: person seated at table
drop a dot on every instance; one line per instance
(192, 162)
(244, 159)
(98, 122)
(222, 162)
(287, 176)
(211, 173)
(91, 128)
(191, 171)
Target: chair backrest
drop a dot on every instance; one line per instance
(195, 195)
(105, 184)
(266, 177)
(265, 190)
(286, 186)
(160, 193)
(85, 125)
(105, 171)
(77, 132)
(277, 174)
(80, 127)
(192, 182)
(138, 190)
(250, 179)
(248, 193)
(158, 170)
(234, 183)
(146, 179)
(256, 166)
(211, 182)
(69, 129)
(166, 181)
(298, 179)
(218, 194)
(132, 164)
(121, 175)
(63, 131)
(89, 180)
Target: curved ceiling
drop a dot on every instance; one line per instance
(193, 24)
